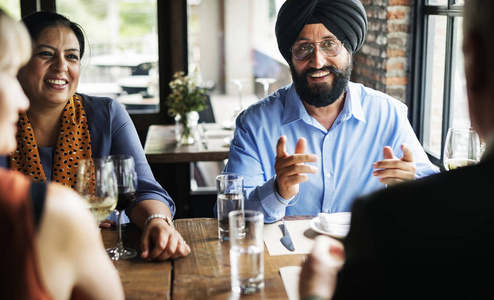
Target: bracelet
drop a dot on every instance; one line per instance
(159, 216)
(278, 198)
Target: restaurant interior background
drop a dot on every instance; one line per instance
(412, 52)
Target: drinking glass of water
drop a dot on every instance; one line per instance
(462, 148)
(246, 251)
(230, 197)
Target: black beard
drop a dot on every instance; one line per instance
(322, 94)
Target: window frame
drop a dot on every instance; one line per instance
(422, 12)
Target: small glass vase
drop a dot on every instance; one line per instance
(185, 128)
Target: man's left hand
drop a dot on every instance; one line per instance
(160, 241)
(393, 170)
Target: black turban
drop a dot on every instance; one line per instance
(346, 19)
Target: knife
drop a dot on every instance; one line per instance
(286, 240)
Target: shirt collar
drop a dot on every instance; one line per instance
(355, 97)
(295, 109)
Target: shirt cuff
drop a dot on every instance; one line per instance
(274, 207)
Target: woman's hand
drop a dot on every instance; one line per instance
(106, 223)
(160, 241)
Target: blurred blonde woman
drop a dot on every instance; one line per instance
(51, 248)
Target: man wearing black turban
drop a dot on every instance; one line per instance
(344, 126)
(346, 19)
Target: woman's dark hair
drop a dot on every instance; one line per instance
(39, 21)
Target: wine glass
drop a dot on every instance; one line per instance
(96, 183)
(126, 178)
(239, 83)
(462, 148)
(265, 84)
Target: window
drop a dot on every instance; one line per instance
(122, 52)
(232, 46)
(171, 36)
(232, 51)
(439, 97)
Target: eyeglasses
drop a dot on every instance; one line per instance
(304, 51)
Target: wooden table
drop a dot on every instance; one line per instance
(171, 166)
(204, 274)
(161, 145)
(140, 279)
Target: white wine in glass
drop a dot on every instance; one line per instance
(96, 183)
(462, 148)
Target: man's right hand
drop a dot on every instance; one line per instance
(291, 169)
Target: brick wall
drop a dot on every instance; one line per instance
(383, 61)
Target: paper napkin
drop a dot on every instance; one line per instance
(290, 276)
(297, 229)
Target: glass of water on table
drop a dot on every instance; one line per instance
(246, 251)
(230, 197)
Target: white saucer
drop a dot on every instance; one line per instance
(337, 233)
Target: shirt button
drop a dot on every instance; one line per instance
(328, 175)
(326, 210)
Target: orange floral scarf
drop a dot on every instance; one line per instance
(73, 144)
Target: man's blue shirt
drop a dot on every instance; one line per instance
(369, 121)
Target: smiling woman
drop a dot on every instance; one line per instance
(52, 75)
(62, 127)
(50, 80)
